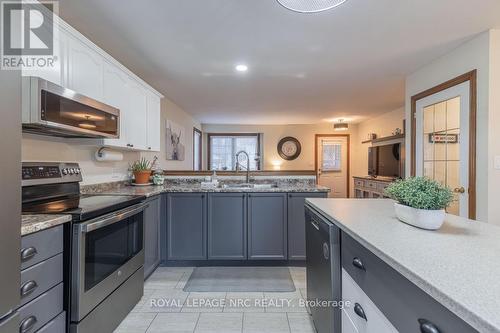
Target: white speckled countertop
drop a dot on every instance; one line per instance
(39, 222)
(458, 265)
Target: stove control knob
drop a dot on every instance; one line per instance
(77, 171)
(71, 171)
(65, 171)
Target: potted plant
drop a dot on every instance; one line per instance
(421, 201)
(141, 170)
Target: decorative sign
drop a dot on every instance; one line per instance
(289, 148)
(443, 138)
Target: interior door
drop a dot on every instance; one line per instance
(332, 164)
(442, 142)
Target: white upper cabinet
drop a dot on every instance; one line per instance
(153, 122)
(137, 115)
(85, 69)
(115, 93)
(57, 72)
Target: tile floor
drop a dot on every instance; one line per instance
(166, 308)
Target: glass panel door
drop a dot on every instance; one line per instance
(441, 138)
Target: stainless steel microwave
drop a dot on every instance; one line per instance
(50, 109)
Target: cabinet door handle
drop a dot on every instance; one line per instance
(356, 262)
(27, 324)
(358, 309)
(427, 327)
(315, 224)
(28, 253)
(28, 287)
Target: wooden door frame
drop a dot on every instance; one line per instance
(348, 137)
(472, 78)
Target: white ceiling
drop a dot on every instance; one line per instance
(349, 62)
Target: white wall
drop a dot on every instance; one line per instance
(494, 128)
(43, 148)
(173, 112)
(473, 54)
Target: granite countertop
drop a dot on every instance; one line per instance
(457, 265)
(149, 191)
(33, 223)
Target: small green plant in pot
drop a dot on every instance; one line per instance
(141, 170)
(421, 201)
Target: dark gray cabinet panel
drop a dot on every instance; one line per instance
(296, 224)
(402, 302)
(186, 226)
(163, 228)
(267, 226)
(227, 226)
(152, 235)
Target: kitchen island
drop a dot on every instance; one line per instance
(456, 267)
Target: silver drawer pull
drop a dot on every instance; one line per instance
(28, 253)
(27, 324)
(427, 327)
(28, 287)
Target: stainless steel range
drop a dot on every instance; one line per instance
(107, 246)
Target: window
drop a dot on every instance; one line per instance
(222, 149)
(331, 151)
(196, 149)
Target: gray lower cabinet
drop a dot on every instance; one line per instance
(152, 235)
(186, 226)
(267, 226)
(227, 226)
(297, 224)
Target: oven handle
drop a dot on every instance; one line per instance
(104, 221)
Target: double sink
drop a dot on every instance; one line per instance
(244, 186)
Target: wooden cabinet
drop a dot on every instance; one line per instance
(227, 226)
(153, 125)
(152, 235)
(267, 226)
(186, 226)
(297, 225)
(85, 68)
(373, 188)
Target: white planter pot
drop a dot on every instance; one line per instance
(421, 218)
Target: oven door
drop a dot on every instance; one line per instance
(106, 251)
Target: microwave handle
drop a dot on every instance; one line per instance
(104, 221)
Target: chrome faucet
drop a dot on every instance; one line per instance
(238, 165)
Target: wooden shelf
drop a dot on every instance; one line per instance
(384, 139)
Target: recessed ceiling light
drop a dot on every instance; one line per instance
(241, 68)
(310, 6)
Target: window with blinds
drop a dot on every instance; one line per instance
(331, 156)
(222, 149)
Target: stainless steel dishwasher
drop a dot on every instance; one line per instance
(323, 271)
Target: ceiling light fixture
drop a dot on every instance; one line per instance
(341, 126)
(241, 68)
(310, 6)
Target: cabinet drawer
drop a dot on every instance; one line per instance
(41, 310)
(402, 302)
(359, 183)
(56, 325)
(41, 246)
(39, 278)
(370, 184)
(375, 321)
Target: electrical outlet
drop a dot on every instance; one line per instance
(497, 162)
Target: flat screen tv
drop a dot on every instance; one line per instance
(385, 161)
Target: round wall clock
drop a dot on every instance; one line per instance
(289, 148)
